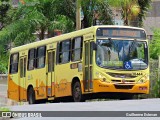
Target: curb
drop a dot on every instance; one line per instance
(4, 101)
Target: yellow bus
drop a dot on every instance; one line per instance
(97, 60)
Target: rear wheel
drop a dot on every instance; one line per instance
(77, 93)
(31, 96)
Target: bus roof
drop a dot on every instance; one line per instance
(66, 36)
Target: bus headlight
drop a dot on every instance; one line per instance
(143, 79)
(101, 77)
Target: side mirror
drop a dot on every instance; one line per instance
(94, 45)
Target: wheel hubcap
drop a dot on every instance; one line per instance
(77, 92)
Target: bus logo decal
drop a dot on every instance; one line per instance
(128, 65)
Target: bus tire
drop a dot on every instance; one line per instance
(31, 96)
(77, 93)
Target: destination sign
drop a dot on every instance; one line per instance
(121, 33)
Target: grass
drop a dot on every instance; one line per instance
(4, 109)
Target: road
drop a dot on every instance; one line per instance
(3, 92)
(3, 87)
(119, 105)
(121, 110)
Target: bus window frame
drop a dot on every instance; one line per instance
(61, 52)
(34, 59)
(74, 49)
(37, 58)
(14, 63)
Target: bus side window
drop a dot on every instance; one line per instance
(76, 49)
(64, 51)
(14, 59)
(31, 59)
(41, 55)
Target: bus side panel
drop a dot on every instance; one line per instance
(30, 79)
(40, 83)
(63, 80)
(13, 87)
(64, 77)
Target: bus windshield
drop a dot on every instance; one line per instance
(122, 54)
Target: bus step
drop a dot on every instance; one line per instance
(51, 98)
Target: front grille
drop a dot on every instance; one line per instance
(121, 75)
(116, 80)
(123, 86)
(129, 81)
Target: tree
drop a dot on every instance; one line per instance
(4, 20)
(88, 8)
(37, 16)
(132, 9)
(155, 45)
(144, 6)
(129, 8)
(41, 16)
(4, 7)
(100, 8)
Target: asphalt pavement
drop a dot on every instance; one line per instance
(3, 93)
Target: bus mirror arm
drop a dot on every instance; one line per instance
(94, 45)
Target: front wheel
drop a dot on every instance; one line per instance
(31, 96)
(77, 93)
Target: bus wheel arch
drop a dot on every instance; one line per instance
(76, 90)
(31, 95)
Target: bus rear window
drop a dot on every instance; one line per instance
(14, 58)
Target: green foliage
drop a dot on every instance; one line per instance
(101, 7)
(129, 8)
(154, 79)
(68, 9)
(37, 16)
(155, 45)
(4, 7)
(132, 9)
(3, 63)
(4, 109)
(2, 68)
(63, 23)
(46, 15)
(156, 89)
(105, 13)
(144, 7)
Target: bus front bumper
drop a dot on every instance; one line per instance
(99, 86)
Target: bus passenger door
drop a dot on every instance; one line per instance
(88, 57)
(22, 80)
(50, 73)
